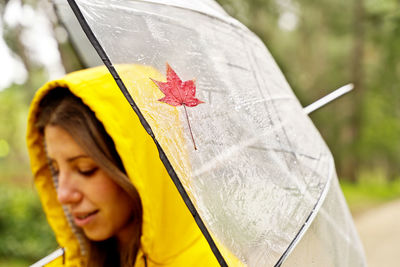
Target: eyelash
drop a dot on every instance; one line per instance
(88, 172)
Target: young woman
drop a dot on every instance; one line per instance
(105, 192)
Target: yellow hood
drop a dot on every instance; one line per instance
(170, 235)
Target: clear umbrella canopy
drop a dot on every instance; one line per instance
(261, 177)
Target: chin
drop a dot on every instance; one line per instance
(96, 236)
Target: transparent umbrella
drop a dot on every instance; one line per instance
(249, 163)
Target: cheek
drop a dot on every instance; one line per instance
(102, 189)
(115, 210)
(114, 202)
(117, 215)
(119, 207)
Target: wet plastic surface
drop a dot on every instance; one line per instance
(262, 172)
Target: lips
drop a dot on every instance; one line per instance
(83, 218)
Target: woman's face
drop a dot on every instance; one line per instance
(98, 205)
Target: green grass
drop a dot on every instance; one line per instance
(370, 191)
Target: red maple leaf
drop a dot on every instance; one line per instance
(178, 93)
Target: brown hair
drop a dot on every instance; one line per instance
(61, 108)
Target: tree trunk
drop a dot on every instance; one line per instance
(352, 164)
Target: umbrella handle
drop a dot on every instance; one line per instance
(49, 258)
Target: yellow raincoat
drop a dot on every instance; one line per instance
(170, 235)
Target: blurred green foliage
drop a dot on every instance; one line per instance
(14, 109)
(25, 234)
(14, 263)
(323, 45)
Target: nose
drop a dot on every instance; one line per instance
(67, 191)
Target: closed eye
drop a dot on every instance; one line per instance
(89, 172)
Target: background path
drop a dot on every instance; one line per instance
(379, 230)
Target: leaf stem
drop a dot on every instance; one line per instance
(190, 128)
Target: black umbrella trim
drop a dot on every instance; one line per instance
(305, 226)
(93, 40)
